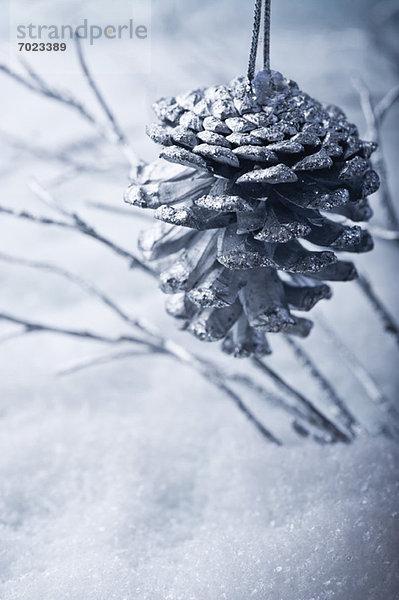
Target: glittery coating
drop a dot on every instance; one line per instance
(248, 174)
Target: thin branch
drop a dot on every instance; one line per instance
(362, 375)
(386, 103)
(384, 234)
(43, 153)
(157, 345)
(84, 227)
(77, 224)
(84, 285)
(216, 380)
(367, 108)
(343, 413)
(317, 417)
(272, 399)
(100, 360)
(244, 380)
(211, 375)
(168, 347)
(28, 216)
(90, 142)
(48, 200)
(130, 213)
(204, 368)
(33, 326)
(121, 137)
(66, 175)
(302, 420)
(380, 310)
(374, 117)
(37, 85)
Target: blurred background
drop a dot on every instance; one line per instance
(137, 478)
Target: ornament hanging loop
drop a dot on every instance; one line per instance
(255, 37)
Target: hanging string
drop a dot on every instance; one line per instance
(266, 46)
(255, 37)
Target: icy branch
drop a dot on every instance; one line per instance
(374, 115)
(344, 414)
(316, 416)
(129, 213)
(362, 376)
(380, 309)
(32, 326)
(73, 222)
(120, 136)
(155, 343)
(38, 85)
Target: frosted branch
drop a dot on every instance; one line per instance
(314, 413)
(374, 116)
(344, 414)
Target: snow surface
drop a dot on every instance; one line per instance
(138, 480)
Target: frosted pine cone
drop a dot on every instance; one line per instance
(244, 207)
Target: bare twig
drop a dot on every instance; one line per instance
(374, 116)
(64, 176)
(75, 223)
(205, 367)
(119, 210)
(219, 382)
(302, 420)
(101, 360)
(33, 326)
(112, 134)
(362, 375)
(168, 347)
(84, 227)
(209, 372)
(120, 136)
(380, 310)
(78, 223)
(218, 379)
(84, 285)
(43, 153)
(386, 103)
(37, 85)
(367, 107)
(28, 216)
(384, 234)
(317, 417)
(343, 413)
(211, 375)
(156, 344)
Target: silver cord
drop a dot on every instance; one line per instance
(266, 46)
(255, 37)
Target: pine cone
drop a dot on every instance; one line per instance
(257, 168)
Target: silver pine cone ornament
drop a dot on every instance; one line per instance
(254, 190)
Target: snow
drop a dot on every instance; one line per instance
(138, 479)
(94, 510)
